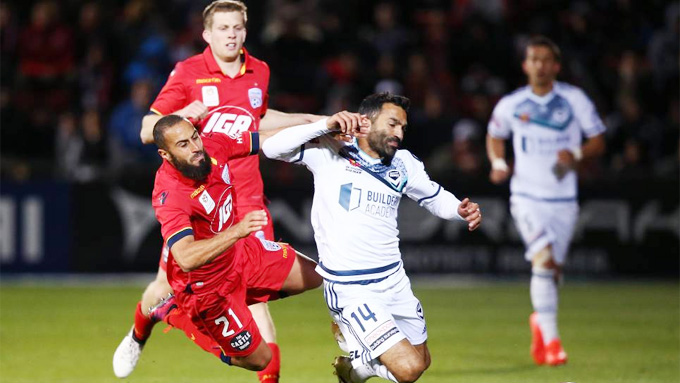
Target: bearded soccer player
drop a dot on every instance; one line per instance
(216, 268)
(222, 91)
(547, 120)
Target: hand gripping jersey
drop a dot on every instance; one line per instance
(541, 126)
(202, 209)
(354, 211)
(235, 105)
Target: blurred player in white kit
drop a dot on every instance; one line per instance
(547, 120)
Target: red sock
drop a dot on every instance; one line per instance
(143, 324)
(271, 373)
(178, 319)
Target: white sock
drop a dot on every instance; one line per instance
(362, 373)
(544, 299)
(382, 371)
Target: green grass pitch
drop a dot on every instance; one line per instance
(613, 332)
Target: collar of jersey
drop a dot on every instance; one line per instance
(214, 68)
(542, 100)
(364, 156)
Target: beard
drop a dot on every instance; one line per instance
(195, 172)
(380, 143)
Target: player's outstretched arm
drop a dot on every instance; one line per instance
(195, 112)
(191, 254)
(275, 119)
(279, 143)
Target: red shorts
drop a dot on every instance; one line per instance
(224, 316)
(267, 231)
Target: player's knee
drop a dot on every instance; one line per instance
(409, 370)
(543, 261)
(257, 361)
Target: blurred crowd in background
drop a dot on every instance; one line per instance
(77, 77)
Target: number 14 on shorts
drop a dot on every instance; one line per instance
(368, 314)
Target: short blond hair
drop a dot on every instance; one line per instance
(223, 6)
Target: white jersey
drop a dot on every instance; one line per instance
(354, 212)
(541, 126)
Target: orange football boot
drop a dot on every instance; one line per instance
(537, 347)
(555, 354)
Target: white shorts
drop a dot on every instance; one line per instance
(543, 223)
(376, 316)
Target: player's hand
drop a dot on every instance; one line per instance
(252, 222)
(195, 112)
(565, 163)
(471, 213)
(498, 176)
(349, 124)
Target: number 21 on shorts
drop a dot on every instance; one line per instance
(365, 315)
(223, 319)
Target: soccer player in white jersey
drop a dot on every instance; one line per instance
(358, 187)
(547, 120)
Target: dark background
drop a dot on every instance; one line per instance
(76, 78)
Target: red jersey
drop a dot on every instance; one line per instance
(234, 105)
(202, 209)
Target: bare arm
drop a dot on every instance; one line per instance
(274, 119)
(567, 159)
(191, 254)
(495, 151)
(194, 111)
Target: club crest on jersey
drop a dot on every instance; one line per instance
(419, 311)
(206, 200)
(211, 96)
(394, 176)
(255, 97)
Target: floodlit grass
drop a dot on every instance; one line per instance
(613, 332)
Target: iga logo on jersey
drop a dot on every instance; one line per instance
(230, 120)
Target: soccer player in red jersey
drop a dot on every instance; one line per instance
(222, 90)
(216, 267)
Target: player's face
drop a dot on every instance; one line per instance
(185, 151)
(387, 131)
(226, 35)
(540, 65)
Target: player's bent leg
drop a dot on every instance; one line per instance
(158, 289)
(257, 361)
(302, 276)
(546, 345)
(265, 324)
(424, 353)
(404, 361)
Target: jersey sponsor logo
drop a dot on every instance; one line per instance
(213, 80)
(211, 97)
(225, 174)
(381, 334)
(255, 97)
(350, 197)
(224, 213)
(163, 197)
(242, 340)
(231, 124)
(197, 191)
(381, 204)
(206, 200)
(353, 169)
